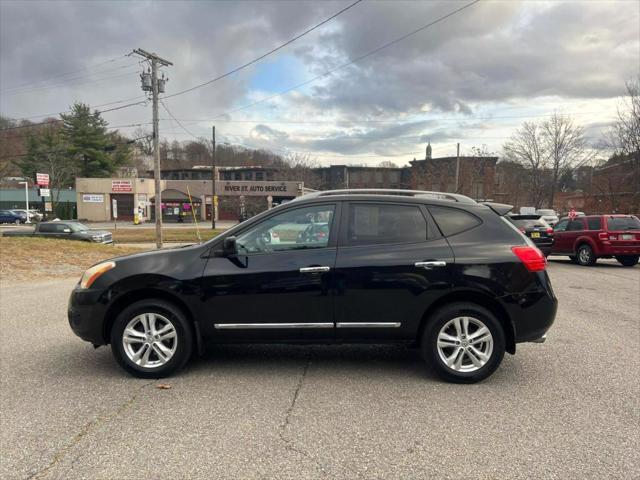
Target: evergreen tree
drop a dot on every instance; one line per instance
(86, 136)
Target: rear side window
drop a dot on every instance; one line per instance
(47, 228)
(377, 224)
(593, 223)
(453, 220)
(623, 223)
(575, 225)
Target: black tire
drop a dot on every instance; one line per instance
(444, 315)
(184, 338)
(628, 260)
(573, 259)
(585, 256)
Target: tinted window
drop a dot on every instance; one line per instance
(593, 223)
(529, 223)
(561, 226)
(575, 225)
(374, 224)
(623, 223)
(297, 229)
(452, 220)
(47, 227)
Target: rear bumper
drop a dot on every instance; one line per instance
(532, 313)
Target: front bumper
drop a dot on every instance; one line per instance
(86, 315)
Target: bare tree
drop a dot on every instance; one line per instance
(387, 164)
(527, 147)
(565, 146)
(624, 136)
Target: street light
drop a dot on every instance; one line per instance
(26, 196)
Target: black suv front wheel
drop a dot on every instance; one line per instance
(151, 339)
(463, 342)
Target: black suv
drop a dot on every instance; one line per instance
(434, 270)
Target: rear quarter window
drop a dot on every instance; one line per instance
(453, 220)
(623, 223)
(594, 223)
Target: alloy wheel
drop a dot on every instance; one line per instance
(584, 255)
(150, 340)
(465, 344)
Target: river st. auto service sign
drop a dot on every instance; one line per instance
(259, 189)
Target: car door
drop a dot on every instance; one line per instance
(392, 263)
(277, 287)
(561, 244)
(574, 230)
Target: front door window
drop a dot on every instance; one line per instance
(299, 229)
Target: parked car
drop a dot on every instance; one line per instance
(10, 216)
(585, 239)
(548, 215)
(64, 230)
(34, 215)
(441, 272)
(534, 227)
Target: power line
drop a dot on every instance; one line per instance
(255, 60)
(354, 60)
(112, 60)
(76, 81)
(178, 121)
(48, 122)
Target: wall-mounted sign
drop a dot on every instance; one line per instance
(42, 179)
(44, 192)
(48, 207)
(93, 198)
(259, 189)
(114, 208)
(121, 186)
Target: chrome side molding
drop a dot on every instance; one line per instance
(368, 324)
(246, 326)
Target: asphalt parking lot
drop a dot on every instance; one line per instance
(564, 409)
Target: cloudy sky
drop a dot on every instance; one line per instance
(471, 78)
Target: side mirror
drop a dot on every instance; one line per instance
(229, 247)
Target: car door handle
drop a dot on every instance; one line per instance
(314, 269)
(431, 264)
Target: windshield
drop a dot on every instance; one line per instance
(624, 223)
(78, 227)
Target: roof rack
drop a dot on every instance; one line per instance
(453, 197)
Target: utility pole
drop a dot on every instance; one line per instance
(26, 198)
(458, 168)
(214, 198)
(155, 88)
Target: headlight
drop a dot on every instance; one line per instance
(94, 272)
(96, 238)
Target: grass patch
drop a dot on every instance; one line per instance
(45, 259)
(143, 235)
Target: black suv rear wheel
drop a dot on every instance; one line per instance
(627, 260)
(151, 339)
(463, 342)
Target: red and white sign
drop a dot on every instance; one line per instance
(572, 213)
(42, 179)
(121, 186)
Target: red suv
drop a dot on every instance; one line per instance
(585, 239)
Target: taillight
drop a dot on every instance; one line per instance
(605, 236)
(550, 231)
(531, 257)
